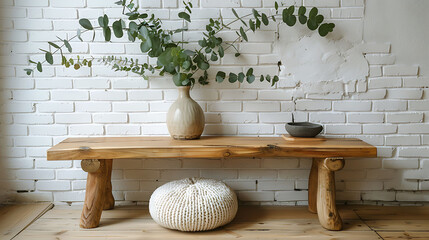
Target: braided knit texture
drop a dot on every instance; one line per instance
(193, 204)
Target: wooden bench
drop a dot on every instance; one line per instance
(98, 153)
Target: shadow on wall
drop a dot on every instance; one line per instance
(5, 175)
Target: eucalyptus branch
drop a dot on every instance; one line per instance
(171, 56)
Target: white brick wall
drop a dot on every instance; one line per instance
(389, 109)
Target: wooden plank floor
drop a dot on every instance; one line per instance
(15, 218)
(252, 222)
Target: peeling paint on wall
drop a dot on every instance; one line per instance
(318, 64)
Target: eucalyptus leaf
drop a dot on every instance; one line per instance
(302, 19)
(185, 16)
(252, 25)
(105, 20)
(107, 34)
(221, 51)
(243, 34)
(39, 67)
(312, 24)
(54, 45)
(319, 19)
(220, 76)
(146, 45)
(100, 22)
(85, 23)
(241, 77)
(302, 10)
(68, 46)
(117, 29)
(232, 77)
(313, 12)
(250, 78)
(28, 71)
(49, 58)
(290, 20)
(265, 19)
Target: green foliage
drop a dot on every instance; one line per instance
(185, 66)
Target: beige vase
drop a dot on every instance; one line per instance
(185, 118)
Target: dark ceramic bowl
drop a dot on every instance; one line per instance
(303, 129)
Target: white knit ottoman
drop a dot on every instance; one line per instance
(193, 204)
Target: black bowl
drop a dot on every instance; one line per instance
(303, 129)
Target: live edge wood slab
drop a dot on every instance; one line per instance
(97, 154)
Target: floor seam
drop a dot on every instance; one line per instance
(372, 229)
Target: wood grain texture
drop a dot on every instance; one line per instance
(312, 186)
(252, 222)
(206, 147)
(15, 218)
(109, 201)
(326, 209)
(95, 196)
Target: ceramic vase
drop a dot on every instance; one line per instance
(185, 118)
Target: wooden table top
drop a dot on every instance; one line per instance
(207, 147)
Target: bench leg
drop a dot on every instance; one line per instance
(312, 187)
(109, 202)
(95, 196)
(326, 209)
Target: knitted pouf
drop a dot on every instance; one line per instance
(193, 204)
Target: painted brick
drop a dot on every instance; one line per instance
(30, 141)
(401, 163)
(55, 107)
(365, 118)
(384, 82)
(408, 117)
(36, 174)
(389, 105)
(70, 95)
(291, 195)
(178, 174)
(360, 186)
(371, 94)
(48, 130)
(220, 3)
(73, 118)
(93, 107)
(241, 163)
(379, 129)
(418, 105)
(130, 107)
(84, 129)
(255, 129)
(238, 95)
(307, 105)
(379, 196)
(280, 163)
(413, 151)
(239, 117)
(400, 70)
(352, 106)
(368, 47)
(256, 196)
(110, 118)
(405, 93)
(343, 129)
(401, 140)
(53, 185)
(324, 117)
(416, 82)
(322, 3)
(121, 129)
(276, 185)
(417, 128)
